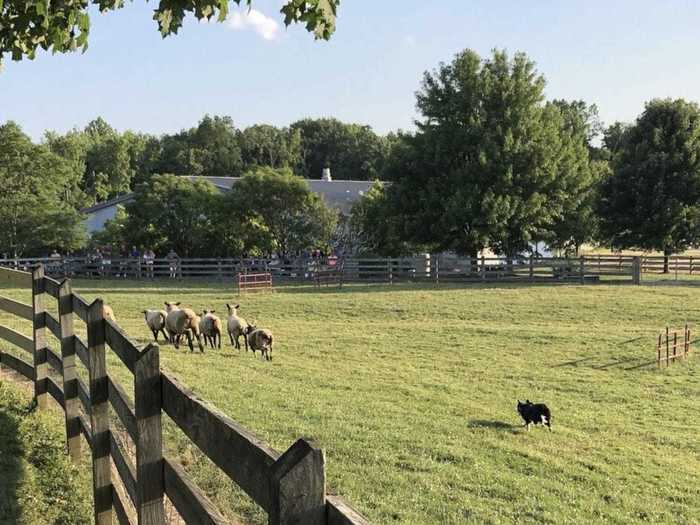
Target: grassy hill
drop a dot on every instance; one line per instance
(412, 390)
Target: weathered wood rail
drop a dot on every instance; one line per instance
(430, 268)
(290, 487)
(675, 347)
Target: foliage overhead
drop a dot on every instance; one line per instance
(63, 26)
(652, 199)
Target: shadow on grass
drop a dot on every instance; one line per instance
(10, 469)
(575, 362)
(495, 425)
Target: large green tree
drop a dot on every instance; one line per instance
(293, 217)
(211, 149)
(484, 167)
(265, 145)
(351, 151)
(173, 212)
(652, 199)
(35, 205)
(63, 26)
(581, 170)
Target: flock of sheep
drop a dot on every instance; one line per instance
(175, 322)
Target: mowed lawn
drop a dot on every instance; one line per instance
(411, 391)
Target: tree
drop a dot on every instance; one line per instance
(652, 199)
(173, 212)
(579, 177)
(211, 149)
(282, 204)
(352, 151)
(35, 208)
(483, 168)
(265, 145)
(375, 227)
(107, 159)
(29, 25)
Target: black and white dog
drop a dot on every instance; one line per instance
(537, 414)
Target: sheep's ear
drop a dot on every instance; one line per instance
(166, 303)
(228, 306)
(212, 311)
(177, 304)
(237, 306)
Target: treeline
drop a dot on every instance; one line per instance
(494, 165)
(111, 163)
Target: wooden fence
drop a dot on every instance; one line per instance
(674, 347)
(429, 268)
(290, 487)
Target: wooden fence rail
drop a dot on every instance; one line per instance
(433, 268)
(290, 487)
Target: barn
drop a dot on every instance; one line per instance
(337, 194)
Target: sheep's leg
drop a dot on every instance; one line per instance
(165, 337)
(189, 340)
(155, 334)
(199, 340)
(219, 335)
(230, 335)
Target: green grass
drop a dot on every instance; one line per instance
(412, 390)
(38, 484)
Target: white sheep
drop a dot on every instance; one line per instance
(211, 328)
(182, 321)
(108, 313)
(236, 327)
(259, 339)
(155, 320)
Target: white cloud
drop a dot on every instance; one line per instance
(243, 19)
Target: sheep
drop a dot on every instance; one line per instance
(211, 327)
(180, 322)
(108, 313)
(259, 339)
(236, 327)
(155, 319)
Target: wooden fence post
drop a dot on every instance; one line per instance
(41, 367)
(637, 270)
(532, 269)
(99, 415)
(667, 343)
(437, 269)
(70, 377)
(658, 353)
(149, 442)
(299, 486)
(582, 269)
(483, 268)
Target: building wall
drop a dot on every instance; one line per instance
(96, 220)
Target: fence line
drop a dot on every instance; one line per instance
(429, 268)
(290, 487)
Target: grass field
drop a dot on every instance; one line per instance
(36, 476)
(412, 390)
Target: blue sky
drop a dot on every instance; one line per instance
(616, 54)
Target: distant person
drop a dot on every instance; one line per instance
(149, 257)
(172, 263)
(135, 253)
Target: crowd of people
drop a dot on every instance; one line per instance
(104, 261)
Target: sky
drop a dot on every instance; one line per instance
(616, 54)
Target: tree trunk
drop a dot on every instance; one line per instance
(667, 253)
